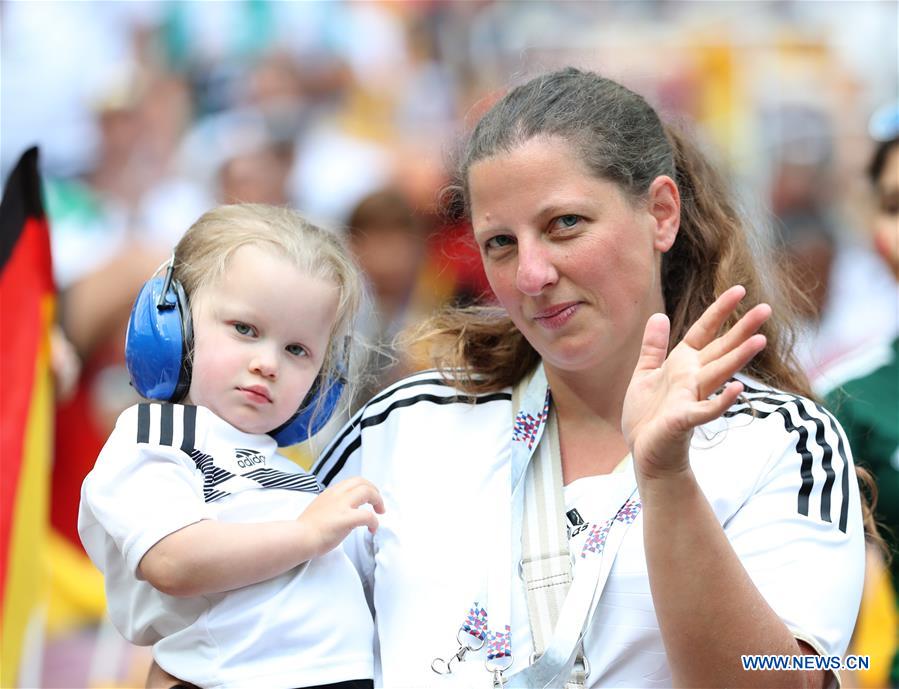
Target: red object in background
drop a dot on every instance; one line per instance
(455, 253)
(78, 440)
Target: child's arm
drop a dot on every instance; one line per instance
(210, 556)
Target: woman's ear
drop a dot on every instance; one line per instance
(663, 204)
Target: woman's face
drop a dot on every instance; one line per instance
(886, 219)
(573, 260)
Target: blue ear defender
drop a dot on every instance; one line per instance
(159, 338)
(315, 411)
(158, 347)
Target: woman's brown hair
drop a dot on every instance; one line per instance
(621, 139)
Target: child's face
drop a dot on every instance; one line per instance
(260, 335)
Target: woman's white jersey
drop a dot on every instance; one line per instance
(775, 468)
(166, 466)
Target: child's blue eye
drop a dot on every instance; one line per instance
(499, 241)
(296, 350)
(244, 329)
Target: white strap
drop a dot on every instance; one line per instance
(546, 560)
(545, 557)
(559, 608)
(555, 666)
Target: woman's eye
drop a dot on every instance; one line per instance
(244, 329)
(568, 221)
(296, 350)
(500, 241)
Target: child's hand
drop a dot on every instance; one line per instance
(337, 511)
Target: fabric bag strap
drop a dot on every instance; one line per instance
(546, 565)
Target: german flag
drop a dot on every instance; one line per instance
(27, 303)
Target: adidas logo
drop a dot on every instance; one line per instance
(247, 459)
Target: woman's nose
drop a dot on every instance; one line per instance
(536, 270)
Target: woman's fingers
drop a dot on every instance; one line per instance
(742, 330)
(714, 374)
(655, 343)
(706, 328)
(710, 409)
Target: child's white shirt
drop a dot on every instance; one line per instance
(167, 466)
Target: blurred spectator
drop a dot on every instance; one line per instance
(863, 391)
(846, 287)
(56, 55)
(256, 176)
(810, 246)
(389, 242)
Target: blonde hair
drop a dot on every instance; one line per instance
(202, 255)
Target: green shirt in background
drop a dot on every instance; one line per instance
(866, 403)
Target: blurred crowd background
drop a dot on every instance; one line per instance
(149, 113)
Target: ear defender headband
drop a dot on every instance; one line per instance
(158, 347)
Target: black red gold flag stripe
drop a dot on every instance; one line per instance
(27, 303)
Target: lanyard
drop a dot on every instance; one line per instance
(506, 498)
(554, 667)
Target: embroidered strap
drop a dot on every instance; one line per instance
(559, 607)
(559, 620)
(545, 557)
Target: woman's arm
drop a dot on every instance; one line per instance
(709, 611)
(210, 556)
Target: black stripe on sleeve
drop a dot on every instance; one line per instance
(827, 462)
(827, 457)
(190, 428)
(844, 474)
(143, 422)
(338, 465)
(350, 427)
(367, 422)
(783, 402)
(844, 482)
(166, 424)
(805, 468)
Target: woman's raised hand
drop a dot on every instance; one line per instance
(668, 397)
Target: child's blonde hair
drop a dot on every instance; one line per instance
(202, 255)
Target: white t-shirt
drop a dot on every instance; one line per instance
(167, 466)
(780, 480)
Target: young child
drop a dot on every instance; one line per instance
(217, 550)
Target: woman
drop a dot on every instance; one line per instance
(705, 515)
